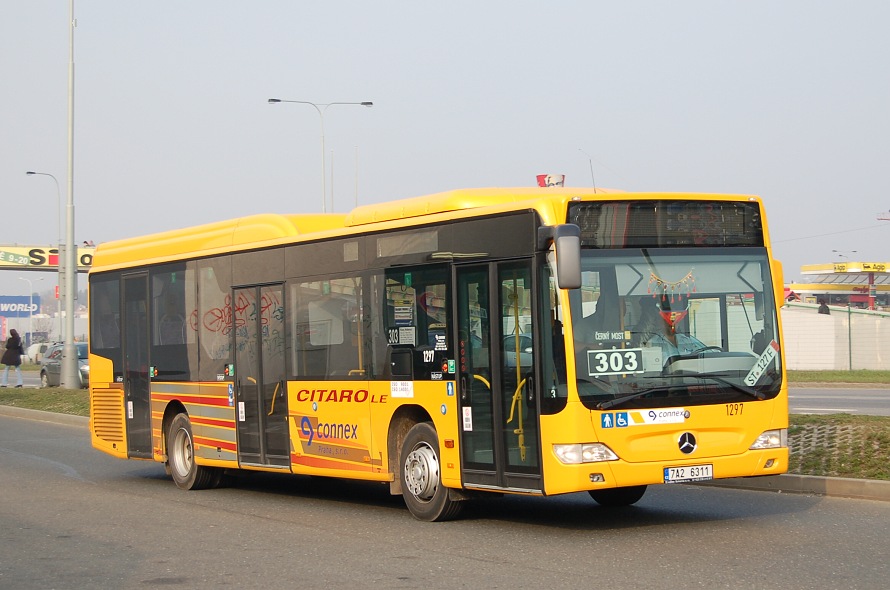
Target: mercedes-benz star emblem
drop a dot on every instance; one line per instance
(687, 443)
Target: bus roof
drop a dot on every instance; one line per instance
(457, 200)
(257, 231)
(254, 230)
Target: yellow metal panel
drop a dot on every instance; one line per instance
(644, 450)
(249, 232)
(460, 200)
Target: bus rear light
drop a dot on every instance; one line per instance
(584, 453)
(771, 439)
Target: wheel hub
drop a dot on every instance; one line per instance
(422, 472)
(182, 450)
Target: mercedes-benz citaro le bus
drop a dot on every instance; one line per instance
(534, 341)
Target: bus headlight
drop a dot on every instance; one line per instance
(771, 439)
(584, 453)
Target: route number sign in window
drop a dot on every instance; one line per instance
(618, 361)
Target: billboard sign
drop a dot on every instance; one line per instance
(42, 257)
(19, 306)
(551, 179)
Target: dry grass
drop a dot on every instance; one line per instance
(860, 376)
(840, 445)
(51, 399)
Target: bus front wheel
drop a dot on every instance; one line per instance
(618, 496)
(427, 499)
(187, 474)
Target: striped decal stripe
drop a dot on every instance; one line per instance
(307, 461)
(204, 400)
(212, 422)
(216, 444)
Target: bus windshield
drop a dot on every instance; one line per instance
(656, 327)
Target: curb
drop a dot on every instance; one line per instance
(839, 487)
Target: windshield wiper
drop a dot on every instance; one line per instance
(681, 374)
(719, 379)
(626, 398)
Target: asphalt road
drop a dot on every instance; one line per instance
(821, 400)
(71, 517)
(29, 378)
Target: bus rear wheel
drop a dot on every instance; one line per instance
(187, 474)
(425, 496)
(618, 496)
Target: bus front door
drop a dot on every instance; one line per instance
(137, 384)
(500, 442)
(261, 400)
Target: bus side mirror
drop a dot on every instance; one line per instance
(778, 284)
(566, 239)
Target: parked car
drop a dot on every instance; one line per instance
(51, 365)
(36, 352)
(521, 344)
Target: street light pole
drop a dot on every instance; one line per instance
(60, 248)
(70, 369)
(321, 108)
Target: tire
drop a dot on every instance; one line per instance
(425, 496)
(187, 474)
(614, 497)
(44, 380)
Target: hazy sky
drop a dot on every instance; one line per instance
(789, 100)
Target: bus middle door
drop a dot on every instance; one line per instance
(137, 381)
(261, 400)
(500, 442)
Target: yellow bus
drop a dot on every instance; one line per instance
(534, 341)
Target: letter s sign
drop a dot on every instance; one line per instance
(38, 256)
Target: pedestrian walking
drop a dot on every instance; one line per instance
(823, 307)
(13, 358)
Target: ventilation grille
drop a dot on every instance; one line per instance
(107, 412)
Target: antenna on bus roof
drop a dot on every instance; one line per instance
(590, 161)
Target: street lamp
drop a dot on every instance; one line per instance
(840, 253)
(58, 200)
(60, 265)
(30, 338)
(321, 108)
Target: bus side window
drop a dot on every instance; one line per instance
(170, 287)
(328, 329)
(416, 319)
